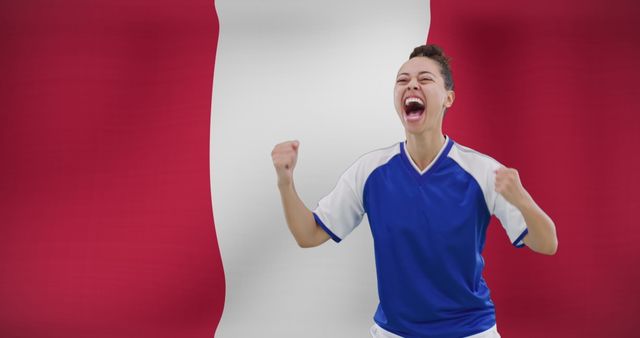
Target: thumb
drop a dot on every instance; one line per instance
(296, 144)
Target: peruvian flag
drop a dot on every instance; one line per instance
(128, 127)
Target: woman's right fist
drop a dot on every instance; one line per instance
(284, 156)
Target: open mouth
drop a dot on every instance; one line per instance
(413, 108)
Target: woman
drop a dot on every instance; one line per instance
(429, 201)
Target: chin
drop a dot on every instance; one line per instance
(418, 130)
(415, 131)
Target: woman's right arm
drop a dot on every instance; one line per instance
(299, 218)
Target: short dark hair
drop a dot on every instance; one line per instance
(436, 54)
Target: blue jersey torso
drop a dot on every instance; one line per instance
(429, 233)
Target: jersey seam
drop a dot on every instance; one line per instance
(486, 203)
(361, 158)
(364, 186)
(475, 152)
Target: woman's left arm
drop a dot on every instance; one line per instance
(541, 236)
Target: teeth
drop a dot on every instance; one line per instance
(413, 99)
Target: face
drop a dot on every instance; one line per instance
(420, 96)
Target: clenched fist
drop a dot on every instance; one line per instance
(284, 156)
(509, 186)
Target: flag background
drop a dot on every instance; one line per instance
(106, 226)
(113, 147)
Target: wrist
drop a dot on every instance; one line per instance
(285, 184)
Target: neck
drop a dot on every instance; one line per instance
(424, 148)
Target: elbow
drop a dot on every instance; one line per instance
(305, 244)
(551, 249)
(554, 248)
(547, 245)
(550, 252)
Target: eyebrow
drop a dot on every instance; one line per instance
(422, 72)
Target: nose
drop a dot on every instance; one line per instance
(413, 84)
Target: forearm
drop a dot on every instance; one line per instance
(541, 236)
(299, 218)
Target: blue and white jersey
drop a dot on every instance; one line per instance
(429, 231)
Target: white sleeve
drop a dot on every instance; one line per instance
(510, 217)
(482, 168)
(342, 209)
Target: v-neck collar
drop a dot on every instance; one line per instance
(412, 167)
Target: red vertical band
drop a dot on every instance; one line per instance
(107, 226)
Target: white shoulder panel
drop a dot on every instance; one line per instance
(369, 162)
(482, 168)
(342, 209)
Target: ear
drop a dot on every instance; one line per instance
(451, 96)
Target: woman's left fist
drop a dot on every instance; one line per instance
(509, 186)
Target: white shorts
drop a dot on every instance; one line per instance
(378, 332)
